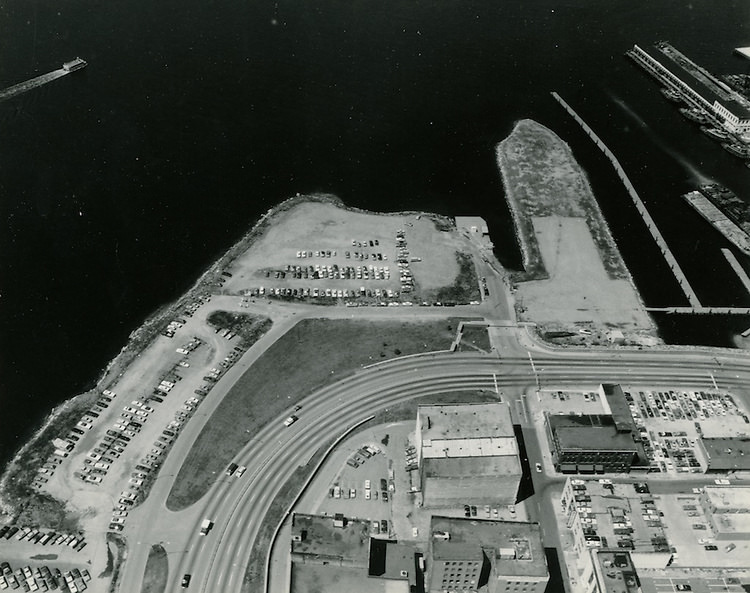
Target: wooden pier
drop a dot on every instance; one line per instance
(701, 310)
(650, 224)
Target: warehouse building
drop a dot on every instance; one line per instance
(467, 453)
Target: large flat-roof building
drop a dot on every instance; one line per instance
(725, 454)
(467, 453)
(504, 556)
(728, 511)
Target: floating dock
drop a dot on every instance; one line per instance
(650, 224)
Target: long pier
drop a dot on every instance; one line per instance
(738, 269)
(32, 83)
(650, 224)
(702, 310)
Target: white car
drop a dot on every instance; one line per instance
(539, 467)
(182, 363)
(118, 520)
(240, 470)
(291, 420)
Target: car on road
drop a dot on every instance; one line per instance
(291, 420)
(539, 467)
(185, 581)
(240, 470)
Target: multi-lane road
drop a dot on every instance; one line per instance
(217, 562)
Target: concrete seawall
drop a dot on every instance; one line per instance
(650, 224)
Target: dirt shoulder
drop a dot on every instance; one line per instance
(575, 285)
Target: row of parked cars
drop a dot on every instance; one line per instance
(63, 447)
(43, 578)
(35, 536)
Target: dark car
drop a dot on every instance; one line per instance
(473, 511)
(185, 581)
(467, 510)
(383, 526)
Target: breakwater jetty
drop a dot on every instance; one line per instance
(22, 87)
(738, 269)
(650, 224)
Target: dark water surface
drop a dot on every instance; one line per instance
(119, 184)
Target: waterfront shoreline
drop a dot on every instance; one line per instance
(12, 481)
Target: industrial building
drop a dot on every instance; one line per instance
(498, 556)
(467, 454)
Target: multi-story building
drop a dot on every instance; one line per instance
(467, 453)
(504, 556)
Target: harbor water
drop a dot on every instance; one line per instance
(120, 183)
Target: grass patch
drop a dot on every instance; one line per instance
(116, 547)
(253, 581)
(248, 327)
(474, 338)
(465, 287)
(156, 571)
(315, 352)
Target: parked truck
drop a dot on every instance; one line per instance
(206, 526)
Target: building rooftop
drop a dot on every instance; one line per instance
(727, 453)
(619, 507)
(729, 498)
(465, 421)
(617, 573)
(590, 432)
(392, 560)
(514, 547)
(320, 538)
(452, 467)
(619, 408)
(477, 447)
(474, 224)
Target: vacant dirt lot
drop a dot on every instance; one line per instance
(579, 288)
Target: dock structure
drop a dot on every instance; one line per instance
(701, 310)
(650, 224)
(738, 269)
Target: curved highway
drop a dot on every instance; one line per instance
(217, 562)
